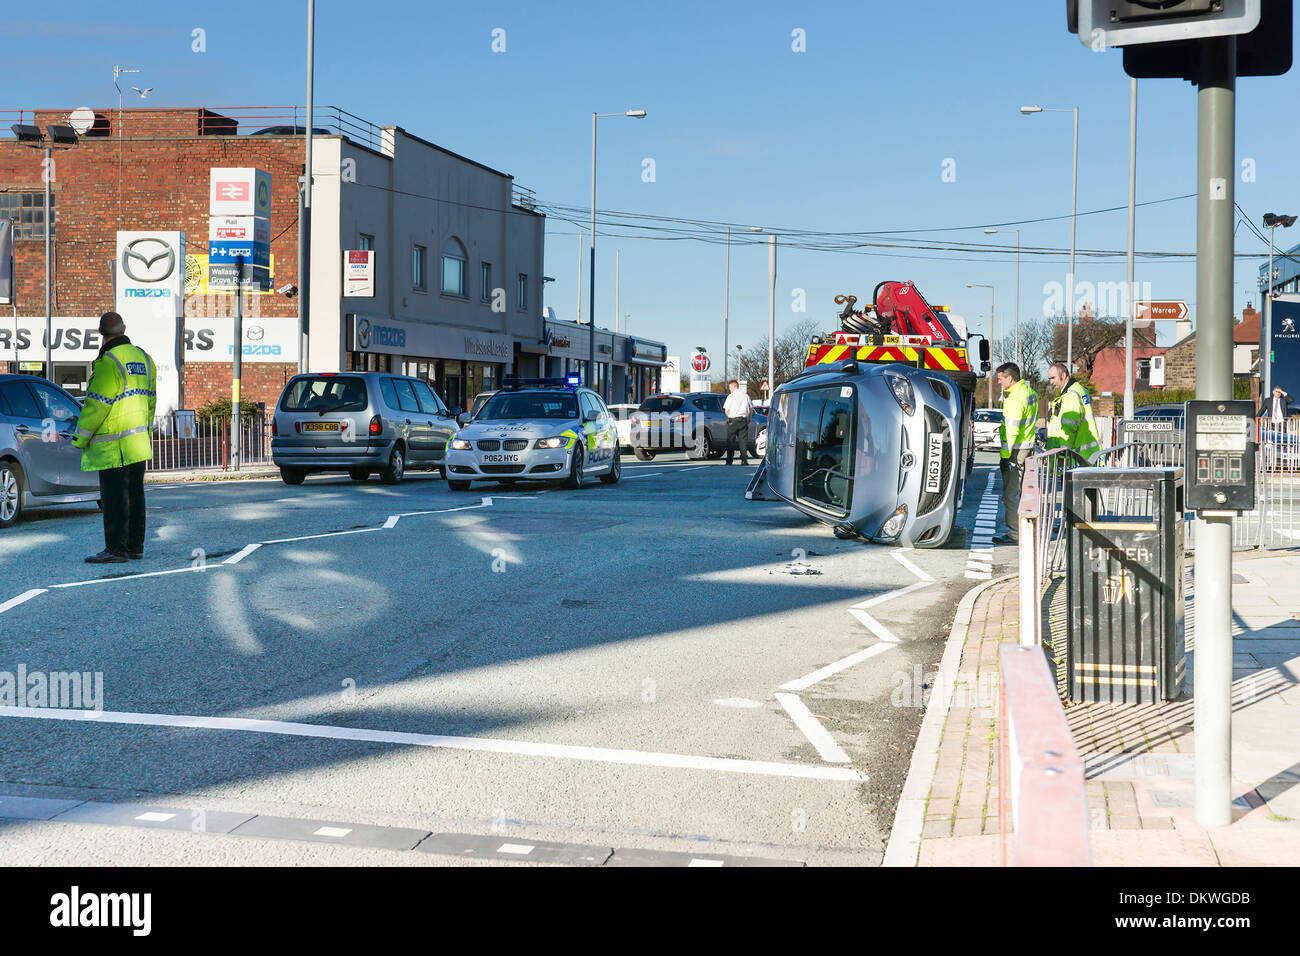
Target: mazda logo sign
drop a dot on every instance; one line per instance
(363, 333)
(254, 333)
(148, 260)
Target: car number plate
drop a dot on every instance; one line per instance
(501, 459)
(320, 426)
(934, 463)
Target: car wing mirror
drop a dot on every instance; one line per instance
(462, 419)
(590, 415)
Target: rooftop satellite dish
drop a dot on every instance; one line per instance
(81, 119)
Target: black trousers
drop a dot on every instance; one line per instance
(1012, 476)
(122, 492)
(738, 434)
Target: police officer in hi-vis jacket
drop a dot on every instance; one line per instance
(113, 433)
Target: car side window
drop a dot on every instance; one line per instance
(587, 406)
(21, 403)
(54, 404)
(389, 393)
(429, 403)
(709, 403)
(405, 395)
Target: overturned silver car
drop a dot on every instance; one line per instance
(872, 450)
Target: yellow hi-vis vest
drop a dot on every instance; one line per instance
(1072, 424)
(1019, 416)
(113, 429)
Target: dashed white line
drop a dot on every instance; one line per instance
(22, 598)
(243, 553)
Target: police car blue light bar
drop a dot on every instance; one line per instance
(573, 380)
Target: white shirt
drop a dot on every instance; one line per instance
(1277, 409)
(738, 405)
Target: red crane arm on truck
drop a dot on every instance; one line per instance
(902, 304)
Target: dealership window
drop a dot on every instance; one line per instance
(368, 362)
(453, 267)
(419, 268)
(523, 292)
(27, 210)
(485, 279)
(367, 243)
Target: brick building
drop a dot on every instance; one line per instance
(458, 253)
(1180, 358)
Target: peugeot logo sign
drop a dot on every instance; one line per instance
(363, 333)
(148, 260)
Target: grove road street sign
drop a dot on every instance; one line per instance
(1157, 311)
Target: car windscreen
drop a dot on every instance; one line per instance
(988, 415)
(661, 403)
(321, 393)
(518, 405)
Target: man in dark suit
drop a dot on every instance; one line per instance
(1277, 408)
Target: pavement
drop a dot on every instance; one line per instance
(178, 475)
(656, 673)
(1139, 760)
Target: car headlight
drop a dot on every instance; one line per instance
(460, 444)
(902, 389)
(556, 442)
(893, 527)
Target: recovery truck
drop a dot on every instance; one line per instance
(876, 436)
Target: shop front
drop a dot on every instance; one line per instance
(459, 363)
(645, 363)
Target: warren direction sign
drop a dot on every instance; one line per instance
(1170, 310)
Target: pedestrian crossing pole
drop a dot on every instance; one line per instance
(1216, 168)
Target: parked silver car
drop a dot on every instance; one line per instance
(38, 464)
(361, 423)
(871, 450)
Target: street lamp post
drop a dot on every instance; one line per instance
(591, 298)
(992, 320)
(726, 313)
(1074, 215)
(1271, 222)
(1016, 357)
(63, 136)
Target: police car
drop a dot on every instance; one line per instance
(536, 429)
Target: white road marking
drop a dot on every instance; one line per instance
(243, 553)
(391, 522)
(131, 577)
(526, 748)
(700, 861)
(22, 598)
(519, 849)
(328, 534)
(738, 702)
(817, 734)
(155, 817)
(842, 664)
(332, 831)
(647, 475)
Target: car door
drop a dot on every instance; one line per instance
(59, 414)
(40, 459)
(438, 423)
(412, 420)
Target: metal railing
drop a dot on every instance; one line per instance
(182, 443)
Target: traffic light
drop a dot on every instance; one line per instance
(1107, 23)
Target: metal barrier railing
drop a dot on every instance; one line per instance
(181, 443)
(1042, 799)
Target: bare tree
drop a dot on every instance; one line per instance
(1035, 348)
(789, 356)
(1091, 337)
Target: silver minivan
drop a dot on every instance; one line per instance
(361, 423)
(38, 464)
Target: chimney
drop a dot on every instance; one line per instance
(1182, 329)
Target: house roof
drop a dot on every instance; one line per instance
(1246, 331)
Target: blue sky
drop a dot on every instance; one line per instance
(851, 135)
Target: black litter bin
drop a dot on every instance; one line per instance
(1125, 584)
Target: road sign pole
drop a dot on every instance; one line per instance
(237, 367)
(1132, 235)
(1216, 167)
(1266, 355)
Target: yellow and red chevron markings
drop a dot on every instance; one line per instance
(941, 359)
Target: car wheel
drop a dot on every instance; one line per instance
(392, 475)
(292, 476)
(358, 474)
(703, 447)
(575, 470)
(615, 470)
(11, 494)
(643, 454)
